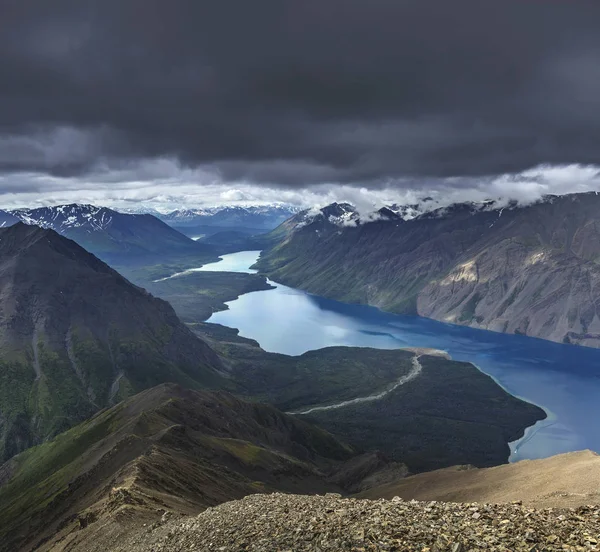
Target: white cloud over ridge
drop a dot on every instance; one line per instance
(165, 185)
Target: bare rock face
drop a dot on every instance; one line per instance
(521, 291)
(531, 270)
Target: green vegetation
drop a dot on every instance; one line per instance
(197, 295)
(77, 337)
(451, 414)
(40, 474)
(206, 447)
(322, 377)
(146, 272)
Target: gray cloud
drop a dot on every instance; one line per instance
(295, 93)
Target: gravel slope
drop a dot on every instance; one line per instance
(279, 522)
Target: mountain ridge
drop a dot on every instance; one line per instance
(532, 270)
(167, 449)
(259, 217)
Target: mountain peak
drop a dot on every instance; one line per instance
(77, 336)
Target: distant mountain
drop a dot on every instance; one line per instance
(76, 337)
(7, 219)
(259, 218)
(165, 452)
(532, 270)
(139, 210)
(113, 236)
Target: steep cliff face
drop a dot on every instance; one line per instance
(538, 274)
(532, 270)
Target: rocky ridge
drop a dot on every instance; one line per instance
(282, 522)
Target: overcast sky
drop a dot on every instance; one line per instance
(177, 102)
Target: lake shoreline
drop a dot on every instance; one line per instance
(546, 374)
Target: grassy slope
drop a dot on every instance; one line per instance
(203, 448)
(76, 337)
(321, 377)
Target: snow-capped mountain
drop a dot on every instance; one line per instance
(182, 216)
(140, 210)
(63, 217)
(7, 219)
(112, 236)
(345, 214)
(259, 217)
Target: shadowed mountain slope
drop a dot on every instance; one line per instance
(76, 336)
(117, 238)
(531, 270)
(7, 219)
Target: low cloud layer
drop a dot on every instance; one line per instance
(145, 99)
(165, 186)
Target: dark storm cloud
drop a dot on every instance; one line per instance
(300, 91)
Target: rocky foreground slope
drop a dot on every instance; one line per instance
(170, 451)
(266, 523)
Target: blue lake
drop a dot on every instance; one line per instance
(563, 379)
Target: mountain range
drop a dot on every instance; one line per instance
(115, 237)
(78, 340)
(76, 337)
(531, 270)
(257, 218)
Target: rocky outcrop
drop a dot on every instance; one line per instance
(531, 270)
